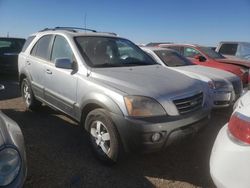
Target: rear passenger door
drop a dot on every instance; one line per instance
(35, 63)
(61, 84)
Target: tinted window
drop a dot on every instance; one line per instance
(61, 49)
(42, 47)
(11, 45)
(27, 43)
(228, 49)
(176, 48)
(110, 52)
(172, 59)
(211, 53)
(190, 52)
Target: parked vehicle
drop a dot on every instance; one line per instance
(236, 50)
(13, 167)
(226, 86)
(120, 95)
(201, 55)
(9, 50)
(230, 157)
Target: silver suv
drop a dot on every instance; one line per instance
(121, 96)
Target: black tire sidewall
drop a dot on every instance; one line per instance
(103, 116)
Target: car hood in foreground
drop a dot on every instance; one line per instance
(154, 81)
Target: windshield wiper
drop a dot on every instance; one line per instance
(107, 65)
(138, 63)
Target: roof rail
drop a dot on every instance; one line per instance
(73, 29)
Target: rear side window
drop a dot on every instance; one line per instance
(42, 47)
(27, 43)
(228, 49)
(61, 49)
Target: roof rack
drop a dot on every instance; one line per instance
(74, 29)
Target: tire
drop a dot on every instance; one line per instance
(27, 94)
(103, 136)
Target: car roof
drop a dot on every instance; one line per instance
(12, 38)
(74, 31)
(234, 42)
(180, 44)
(157, 48)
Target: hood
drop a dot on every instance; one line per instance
(153, 81)
(212, 73)
(235, 62)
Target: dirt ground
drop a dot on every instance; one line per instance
(58, 153)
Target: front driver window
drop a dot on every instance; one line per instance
(191, 52)
(61, 49)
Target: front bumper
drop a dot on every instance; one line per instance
(136, 134)
(229, 162)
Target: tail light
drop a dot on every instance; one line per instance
(239, 127)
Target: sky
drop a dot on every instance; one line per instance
(204, 22)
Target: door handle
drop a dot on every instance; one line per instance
(28, 63)
(48, 71)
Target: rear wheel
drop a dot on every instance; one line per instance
(103, 136)
(28, 96)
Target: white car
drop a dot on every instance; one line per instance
(230, 157)
(224, 85)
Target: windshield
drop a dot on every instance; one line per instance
(172, 59)
(244, 50)
(10, 45)
(211, 53)
(111, 52)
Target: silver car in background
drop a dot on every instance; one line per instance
(224, 84)
(13, 167)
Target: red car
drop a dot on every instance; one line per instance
(206, 56)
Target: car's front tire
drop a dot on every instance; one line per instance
(103, 136)
(28, 96)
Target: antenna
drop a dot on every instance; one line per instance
(85, 21)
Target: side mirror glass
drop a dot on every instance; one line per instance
(200, 58)
(63, 63)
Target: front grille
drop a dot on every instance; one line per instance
(237, 85)
(189, 104)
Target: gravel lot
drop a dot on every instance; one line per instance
(59, 156)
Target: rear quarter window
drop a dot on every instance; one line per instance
(27, 43)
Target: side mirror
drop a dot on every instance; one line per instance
(200, 58)
(63, 63)
(1, 87)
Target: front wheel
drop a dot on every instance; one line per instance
(103, 136)
(28, 96)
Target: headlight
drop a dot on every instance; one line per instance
(9, 165)
(140, 106)
(219, 84)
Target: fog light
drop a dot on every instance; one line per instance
(156, 137)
